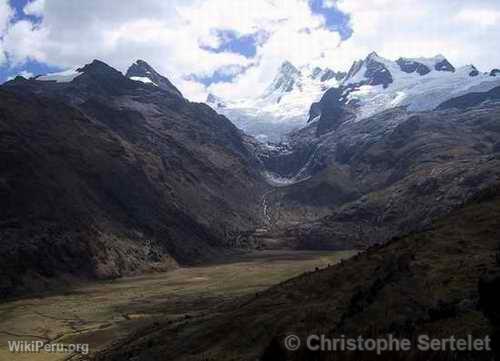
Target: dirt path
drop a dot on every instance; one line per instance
(102, 312)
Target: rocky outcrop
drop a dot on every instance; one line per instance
(333, 111)
(375, 71)
(444, 65)
(473, 71)
(410, 66)
(142, 70)
(495, 72)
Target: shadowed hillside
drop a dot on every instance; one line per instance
(104, 176)
(423, 283)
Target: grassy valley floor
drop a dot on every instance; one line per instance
(101, 313)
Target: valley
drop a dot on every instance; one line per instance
(102, 313)
(146, 224)
(439, 282)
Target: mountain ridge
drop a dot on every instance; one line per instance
(370, 86)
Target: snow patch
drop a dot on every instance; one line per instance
(143, 79)
(278, 181)
(61, 77)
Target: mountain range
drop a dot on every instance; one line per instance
(105, 174)
(369, 87)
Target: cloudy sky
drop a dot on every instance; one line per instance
(233, 47)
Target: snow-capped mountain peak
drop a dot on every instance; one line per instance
(372, 85)
(287, 78)
(371, 71)
(376, 70)
(284, 104)
(376, 84)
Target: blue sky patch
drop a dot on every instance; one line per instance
(229, 41)
(232, 42)
(33, 67)
(19, 5)
(30, 66)
(217, 77)
(224, 74)
(334, 19)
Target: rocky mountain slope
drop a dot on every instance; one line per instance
(439, 283)
(103, 176)
(366, 169)
(368, 180)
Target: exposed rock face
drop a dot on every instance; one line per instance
(411, 66)
(474, 71)
(104, 176)
(334, 111)
(444, 65)
(495, 72)
(376, 72)
(355, 68)
(142, 70)
(328, 74)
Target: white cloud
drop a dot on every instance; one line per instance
(422, 28)
(328, 4)
(35, 8)
(464, 32)
(168, 34)
(25, 41)
(295, 34)
(6, 13)
(481, 17)
(164, 33)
